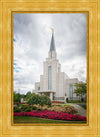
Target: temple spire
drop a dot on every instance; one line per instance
(52, 45)
(52, 30)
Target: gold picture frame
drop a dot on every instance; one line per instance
(7, 128)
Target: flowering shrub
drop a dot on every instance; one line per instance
(56, 108)
(70, 109)
(66, 109)
(52, 115)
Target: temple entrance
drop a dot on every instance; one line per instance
(47, 94)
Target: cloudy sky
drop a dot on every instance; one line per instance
(32, 36)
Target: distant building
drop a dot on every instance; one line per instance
(54, 83)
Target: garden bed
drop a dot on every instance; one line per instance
(52, 115)
(54, 107)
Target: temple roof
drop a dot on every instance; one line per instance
(52, 45)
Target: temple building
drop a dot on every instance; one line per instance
(54, 83)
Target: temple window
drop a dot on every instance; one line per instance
(49, 77)
(38, 88)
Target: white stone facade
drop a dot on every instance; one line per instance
(53, 82)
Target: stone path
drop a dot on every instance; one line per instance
(80, 110)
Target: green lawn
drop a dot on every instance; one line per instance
(76, 101)
(35, 120)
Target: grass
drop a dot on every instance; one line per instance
(35, 120)
(68, 105)
(76, 101)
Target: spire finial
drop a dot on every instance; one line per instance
(52, 45)
(52, 30)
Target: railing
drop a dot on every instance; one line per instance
(69, 98)
(59, 98)
(75, 98)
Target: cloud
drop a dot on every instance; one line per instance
(32, 36)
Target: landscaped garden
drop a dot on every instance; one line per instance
(40, 109)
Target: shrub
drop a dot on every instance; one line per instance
(23, 107)
(16, 109)
(62, 108)
(82, 99)
(41, 100)
(38, 109)
(63, 102)
(45, 108)
(45, 100)
(66, 100)
(59, 105)
(26, 108)
(34, 99)
(34, 108)
(84, 106)
(70, 109)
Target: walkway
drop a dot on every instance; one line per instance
(80, 110)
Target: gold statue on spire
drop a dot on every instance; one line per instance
(52, 30)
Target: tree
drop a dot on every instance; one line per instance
(34, 99)
(17, 97)
(28, 94)
(80, 89)
(45, 100)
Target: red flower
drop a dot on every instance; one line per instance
(52, 115)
